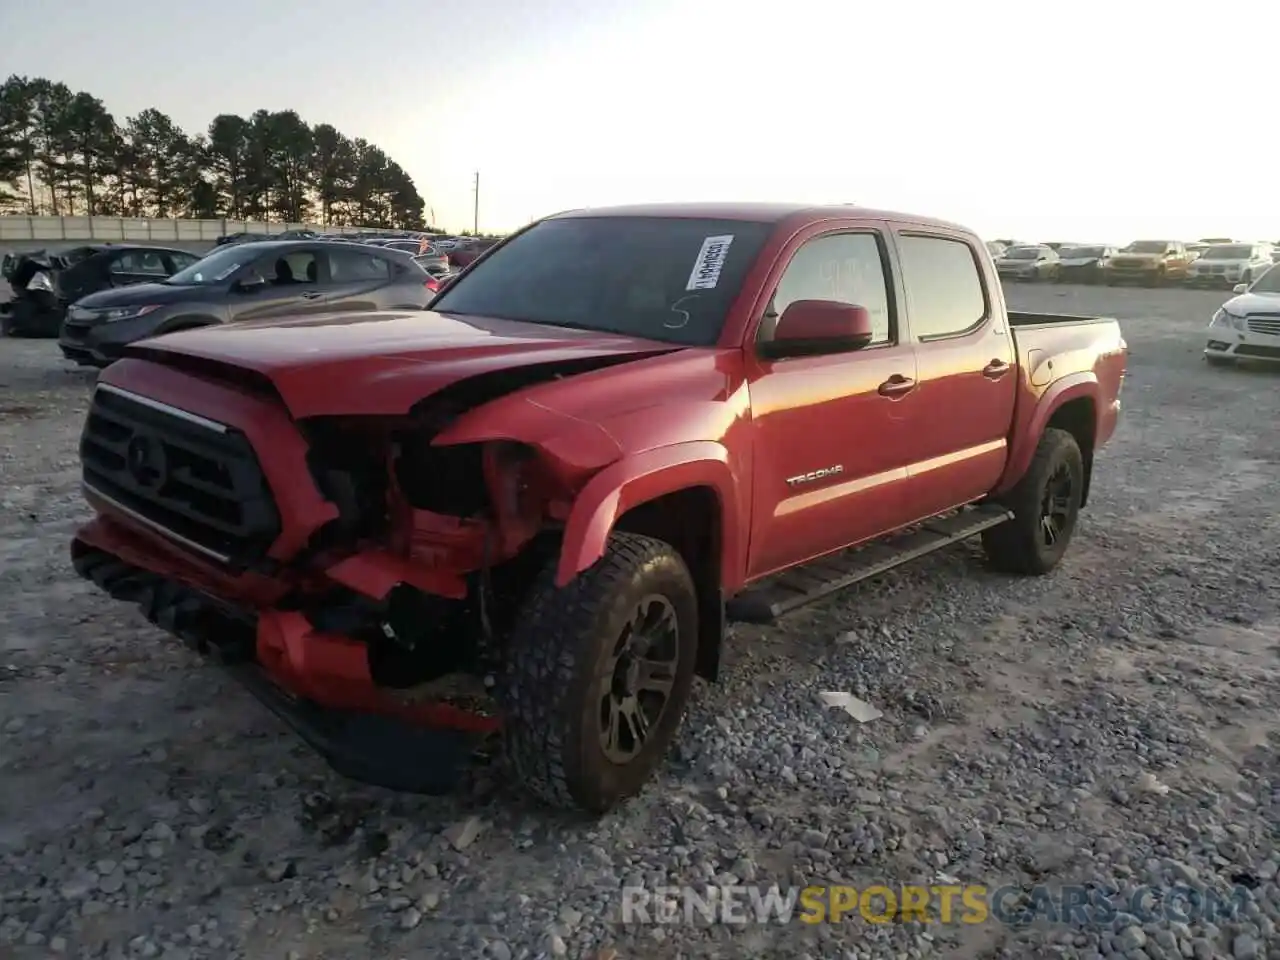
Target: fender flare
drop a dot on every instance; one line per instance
(638, 479)
(1072, 387)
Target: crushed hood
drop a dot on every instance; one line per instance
(383, 363)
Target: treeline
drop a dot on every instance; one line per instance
(63, 153)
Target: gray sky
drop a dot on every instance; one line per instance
(1092, 122)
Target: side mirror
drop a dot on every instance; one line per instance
(251, 284)
(1240, 288)
(817, 327)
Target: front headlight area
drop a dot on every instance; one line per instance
(380, 471)
(1226, 320)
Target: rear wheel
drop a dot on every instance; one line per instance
(1045, 505)
(598, 674)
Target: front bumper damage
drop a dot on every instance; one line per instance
(28, 315)
(318, 683)
(300, 630)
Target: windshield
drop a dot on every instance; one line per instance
(1023, 253)
(1082, 252)
(216, 267)
(1269, 282)
(1147, 246)
(1234, 252)
(660, 278)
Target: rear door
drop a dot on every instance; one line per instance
(966, 367)
(360, 280)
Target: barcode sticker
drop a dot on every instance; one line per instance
(706, 269)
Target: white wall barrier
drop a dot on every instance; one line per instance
(142, 230)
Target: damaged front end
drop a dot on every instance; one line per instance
(348, 570)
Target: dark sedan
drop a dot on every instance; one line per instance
(246, 281)
(1083, 264)
(44, 282)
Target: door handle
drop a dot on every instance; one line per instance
(311, 295)
(995, 369)
(896, 386)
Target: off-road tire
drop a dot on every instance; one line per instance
(1017, 545)
(550, 690)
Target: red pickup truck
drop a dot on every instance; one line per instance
(617, 430)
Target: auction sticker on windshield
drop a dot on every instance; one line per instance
(706, 269)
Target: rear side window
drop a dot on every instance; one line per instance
(945, 294)
(347, 266)
(139, 261)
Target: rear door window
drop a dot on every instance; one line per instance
(348, 266)
(945, 292)
(138, 263)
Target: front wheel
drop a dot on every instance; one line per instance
(1045, 505)
(598, 674)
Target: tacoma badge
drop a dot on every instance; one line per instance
(815, 475)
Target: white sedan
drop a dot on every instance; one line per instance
(1247, 327)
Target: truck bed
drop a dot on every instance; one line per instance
(1018, 318)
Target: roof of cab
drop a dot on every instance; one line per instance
(758, 212)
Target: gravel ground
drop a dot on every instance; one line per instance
(1115, 722)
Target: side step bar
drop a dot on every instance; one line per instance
(778, 595)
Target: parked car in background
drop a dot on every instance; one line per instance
(1083, 264)
(1247, 327)
(1030, 262)
(559, 479)
(242, 237)
(996, 249)
(437, 267)
(44, 283)
(468, 251)
(1275, 251)
(1214, 241)
(1150, 262)
(243, 282)
(1226, 264)
(1197, 249)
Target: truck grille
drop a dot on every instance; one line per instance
(194, 480)
(1268, 324)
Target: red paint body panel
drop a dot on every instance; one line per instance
(915, 427)
(384, 363)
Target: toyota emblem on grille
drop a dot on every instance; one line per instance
(145, 461)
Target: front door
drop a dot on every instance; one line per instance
(294, 287)
(831, 434)
(967, 370)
